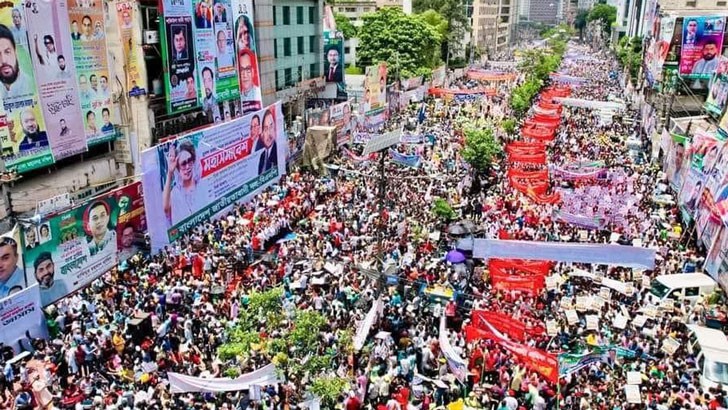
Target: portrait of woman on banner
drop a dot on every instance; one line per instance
(180, 197)
(244, 34)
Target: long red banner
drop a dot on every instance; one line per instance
(532, 267)
(528, 284)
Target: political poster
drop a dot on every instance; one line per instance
(246, 55)
(198, 176)
(716, 170)
(716, 261)
(692, 189)
(334, 60)
(724, 124)
(438, 76)
(214, 45)
(21, 313)
(126, 11)
(662, 45)
(178, 55)
(75, 247)
(340, 117)
(702, 43)
(55, 74)
(25, 144)
(12, 275)
(717, 95)
(90, 56)
(375, 88)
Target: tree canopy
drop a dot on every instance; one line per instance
(605, 14)
(406, 42)
(343, 24)
(481, 148)
(454, 13)
(580, 21)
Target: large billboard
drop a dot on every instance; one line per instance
(25, 144)
(199, 175)
(216, 60)
(702, 43)
(375, 87)
(90, 56)
(717, 94)
(75, 247)
(11, 270)
(125, 15)
(55, 74)
(178, 54)
(340, 117)
(334, 60)
(246, 56)
(21, 314)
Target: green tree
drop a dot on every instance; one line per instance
(406, 43)
(328, 389)
(605, 14)
(454, 13)
(435, 20)
(509, 126)
(580, 21)
(343, 24)
(481, 148)
(443, 210)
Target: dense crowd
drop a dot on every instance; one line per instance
(290, 236)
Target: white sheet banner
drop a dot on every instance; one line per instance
(365, 326)
(605, 254)
(591, 104)
(457, 365)
(21, 312)
(180, 383)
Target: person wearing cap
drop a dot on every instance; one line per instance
(44, 271)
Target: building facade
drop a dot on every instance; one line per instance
(494, 23)
(544, 11)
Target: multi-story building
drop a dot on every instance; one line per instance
(524, 9)
(494, 23)
(544, 11)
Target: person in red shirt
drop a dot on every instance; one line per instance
(352, 402)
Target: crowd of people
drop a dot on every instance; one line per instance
(289, 237)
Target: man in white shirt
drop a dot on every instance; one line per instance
(14, 83)
(48, 57)
(12, 278)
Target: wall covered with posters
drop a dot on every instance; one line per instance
(69, 250)
(199, 175)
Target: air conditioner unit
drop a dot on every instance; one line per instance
(151, 37)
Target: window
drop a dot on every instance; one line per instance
(278, 83)
(311, 15)
(288, 73)
(300, 44)
(286, 47)
(347, 50)
(312, 44)
(691, 3)
(299, 15)
(300, 73)
(275, 20)
(350, 9)
(286, 15)
(692, 291)
(275, 47)
(721, 3)
(313, 70)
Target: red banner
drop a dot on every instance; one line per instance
(539, 361)
(506, 282)
(504, 323)
(539, 133)
(539, 158)
(550, 106)
(535, 145)
(532, 267)
(541, 174)
(543, 198)
(515, 150)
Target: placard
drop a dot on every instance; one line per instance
(605, 293)
(552, 282)
(632, 393)
(552, 328)
(639, 321)
(619, 322)
(651, 311)
(566, 302)
(592, 322)
(670, 345)
(582, 302)
(634, 378)
(572, 317)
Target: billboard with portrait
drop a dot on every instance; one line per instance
(334, 60)
(717, 95)
(216, 59)
(246, 56)
(125, 18)
(340, 117)
(178, 55)
(12, 275)
(55, 74)
(702, 43)
(716, 261)
(375, 87)
(25, 144)
(198, 176)
(92, 71)
(77, 246)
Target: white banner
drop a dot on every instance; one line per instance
(180, 383)
(457, 365)
(21, 312)
(362, 330)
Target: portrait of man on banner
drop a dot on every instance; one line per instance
(267, 142)
(333, 67)
(702, 44)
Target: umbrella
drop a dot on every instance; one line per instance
(455, 257)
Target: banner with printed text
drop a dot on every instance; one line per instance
(375, 87)
(90, 56)
(178, 55)
(717, 95)
(246, 52)
(702, 43)
(200, 175)
(340, 117)
(21, 313)
(55, 74)
(25, 144)
(215, 54)
(716, 261)
(126, 13)
(77, 246)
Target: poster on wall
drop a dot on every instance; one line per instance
(12, 275)
(92, 71)
(198, 176)
(21, 313)
(126, 14)
(178, 54)
(216, 60)
(702, 43)
(438, 76)
(55, 74)
(25, 144)
(77, 246)
(246, 54)
(334, 60)
(716, 261)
